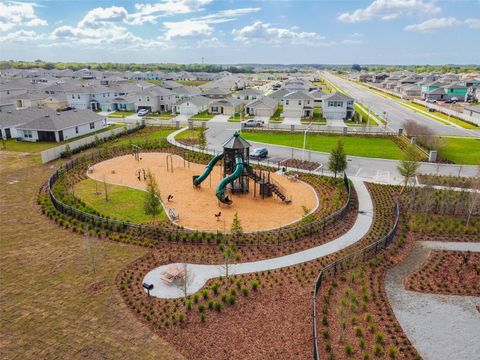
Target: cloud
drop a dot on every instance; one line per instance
(200, 26)
(433, 24)
(353, 39)
(97, 17)
(390, 9)
(473, 23)
(151, 12)
(264, 32)
(187, 28)
(14, 14)
(21, 35)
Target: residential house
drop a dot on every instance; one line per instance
(192, 105)
(34, 124)
(279, 94)
(473, 111)
(298, 104)
(119, 103)
(338, 106)
(89, 96)
(228, 106)
(155, 99)
(456, 90)
(182, 92)
(264, 106)
(410, 90)
(216, 93)
(318, 96)
(248, 94)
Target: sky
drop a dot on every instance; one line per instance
(242, 31)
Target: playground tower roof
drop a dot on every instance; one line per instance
(236, 142)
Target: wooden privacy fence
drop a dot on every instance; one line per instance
(349, 262)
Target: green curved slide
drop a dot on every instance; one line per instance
(198, 180)
(220, 192)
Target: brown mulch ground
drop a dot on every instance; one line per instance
(447, 272)
(446, 237)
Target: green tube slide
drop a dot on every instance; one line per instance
(199, 179)
(221, 187)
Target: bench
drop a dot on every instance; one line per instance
(173, 214)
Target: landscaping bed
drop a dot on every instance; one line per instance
(445, 180)
(449, 273)
(299, 164)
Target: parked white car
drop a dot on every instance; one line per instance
(253, 123)
(142, 112)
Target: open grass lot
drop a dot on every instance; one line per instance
(202, 116)
(120, 114)
(188, 134)
(48, 309)
(34, 147)
(149, 133)
(124, 203)
(355, 146)
(161, 115)
(461, 150)
(444, 117)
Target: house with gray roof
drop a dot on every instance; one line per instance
(338, 106)
(298, 104)
(248, 94)
(192, 105)
(228, 106)
(264, 106)
(34, 124)
(155, 99)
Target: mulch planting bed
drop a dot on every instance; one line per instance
(447, 272)
(443, 180)
(355, 319)
(299, 164)
(446, 237)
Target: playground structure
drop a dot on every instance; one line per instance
(136, 152)
(237, 173)
(196, 207)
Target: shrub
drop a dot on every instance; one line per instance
(195, 298)
(201, 308)
(205, 294)
(366, 356)
(328, 347)
(215, 288)
(181, 317)
(324, 321)
(218, 306)
(254, 285)
(202, 317)
(348, 349)
(210, 304)
(233, 291)
(244, 291)
(224, 297)
(325, 334)
(379, 338)
(358, 331)
(377, 350)
(238, 283)
(392, 352)
(231, 299)
(368, 317)
(361, 344)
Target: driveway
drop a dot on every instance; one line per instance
(336, 123)
(292, 121)
(182, 118)
(219, 119)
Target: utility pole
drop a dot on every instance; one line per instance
(305, 140)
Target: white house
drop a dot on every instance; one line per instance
(89, 97)
(192, 106)
(338, 106)
(262, 107)
(228, 106)
(34, 124)
(298, 104)
(248, 94)
(155, 99)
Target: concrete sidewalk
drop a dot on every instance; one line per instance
(202, 273)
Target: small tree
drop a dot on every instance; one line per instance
(185, 282)
(152, 204)
(202, 139)
(408, 169)
(228, 255)
(68, 151)
(338, 160)
(473, 198)
(236, 227)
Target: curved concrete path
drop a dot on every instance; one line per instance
(440, 327)
(200, 274)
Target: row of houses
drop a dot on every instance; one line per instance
(427, 86)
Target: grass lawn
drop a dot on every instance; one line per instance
(355, 146)
(188, 134)
(364, 114)
(239, 117)
(149, 133)
(276, 118)
(120, 114)
(124, 203)
(191, 82)
(202, 116)
(452, 119)
(53, 314)
(156, 82)
(461, 150)
(34, 147)
(161, 115)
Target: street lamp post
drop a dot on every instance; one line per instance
(305, 140)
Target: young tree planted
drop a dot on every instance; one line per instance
(152, 205)
(408, 169)
(338, 160)
(202, 139)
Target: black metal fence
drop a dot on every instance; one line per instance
(349, 262)
(288, 233)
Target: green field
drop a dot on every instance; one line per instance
(146, 134)
(123, 203)
(120, 114)
(461, 150)
(355, 146)
(202, 116)
(188, 134)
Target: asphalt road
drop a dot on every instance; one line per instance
(370, 169)
(396, 114)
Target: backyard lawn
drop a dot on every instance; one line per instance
(461, 150)
(355, 146)
(123, 204)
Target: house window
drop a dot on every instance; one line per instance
(92, 125)
(73, 96)
(27, 134)
(78, 96)
(286, 102)
(76, 129)
(148, 99)
(299, 102)
(161, 97)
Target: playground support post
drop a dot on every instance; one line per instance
(169, 161)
